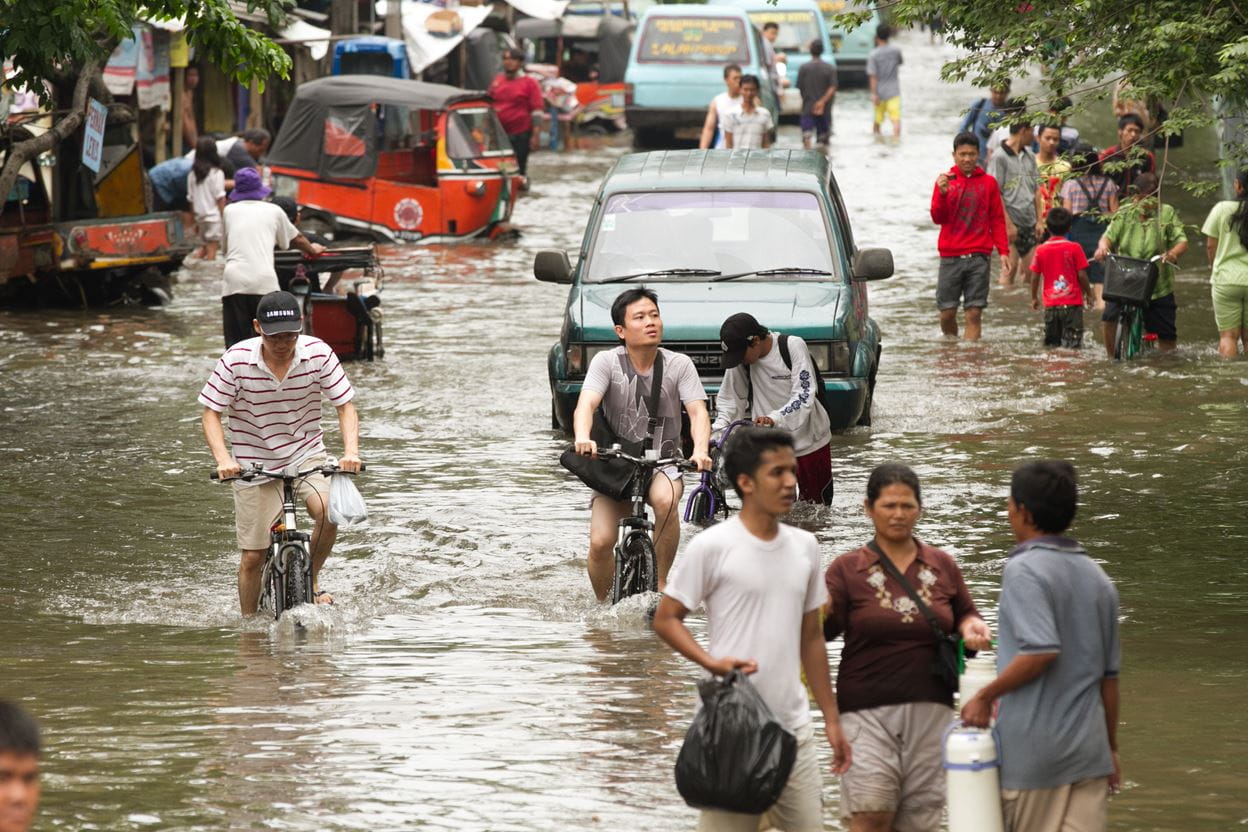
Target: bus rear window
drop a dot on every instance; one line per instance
(702, 40)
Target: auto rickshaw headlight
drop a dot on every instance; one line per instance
(475, 188)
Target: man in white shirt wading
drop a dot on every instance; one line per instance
(785, 395)
(253, 228)
(762, 587)
(272, 387)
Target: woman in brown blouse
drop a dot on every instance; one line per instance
(893, 708)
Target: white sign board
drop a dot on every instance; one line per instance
(93, 135)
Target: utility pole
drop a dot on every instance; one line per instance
(394, 19)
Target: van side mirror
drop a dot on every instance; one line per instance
(554, 267)
(873, 264)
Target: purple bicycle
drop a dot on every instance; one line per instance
(709, 497)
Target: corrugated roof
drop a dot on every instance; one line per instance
(666, 169)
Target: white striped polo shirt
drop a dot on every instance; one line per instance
(271, 423)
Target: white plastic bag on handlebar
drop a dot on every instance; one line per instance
(346, 505)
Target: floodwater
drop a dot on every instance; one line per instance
(466, 680)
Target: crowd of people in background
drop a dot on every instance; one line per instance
(1042, 185)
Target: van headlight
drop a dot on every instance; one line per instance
(579, 356)
(831, 357)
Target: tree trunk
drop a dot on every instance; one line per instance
(21, 152)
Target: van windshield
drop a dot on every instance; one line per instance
(717, 232)
(797, 28)
(700, 40)
(472, 133)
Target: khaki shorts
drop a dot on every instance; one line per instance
(800, 807)
(257, 507)
(896, 764)
(1075, 807)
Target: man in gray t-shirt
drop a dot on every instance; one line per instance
(1014, 167)
(883, 63)
(1057, 664)
(620, 381)
(816, 81)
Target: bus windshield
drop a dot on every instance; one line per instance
(705, 40)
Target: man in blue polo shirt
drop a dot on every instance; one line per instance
(1057, 665)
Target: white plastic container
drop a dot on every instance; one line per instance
(972, 779)
(977, 674)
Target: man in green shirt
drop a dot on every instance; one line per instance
(1145, 228)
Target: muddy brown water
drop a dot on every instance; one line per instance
(466, 680)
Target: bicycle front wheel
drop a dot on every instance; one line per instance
(1121, 334)
(699, 507)
(636, 569)
(297, 580)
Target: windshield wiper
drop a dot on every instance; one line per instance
(687, 272)
(783, 270)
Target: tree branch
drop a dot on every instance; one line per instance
(22, 152)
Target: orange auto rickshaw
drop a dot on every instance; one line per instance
(395, 159)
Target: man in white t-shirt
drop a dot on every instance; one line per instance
(760, 384)
(253, 228)
(620, 380)
(750, 127)
(762, 586)
(722, 106)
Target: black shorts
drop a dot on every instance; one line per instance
(1063, 326)
(237, 314)
(1159, 316)
(1024, 239)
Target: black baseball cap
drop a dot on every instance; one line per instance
(279, 312)
(734, 337)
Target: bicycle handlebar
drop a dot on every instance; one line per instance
(641, 462)
(249, 474)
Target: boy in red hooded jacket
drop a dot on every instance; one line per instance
(966, 204)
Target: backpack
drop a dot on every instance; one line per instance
(783, 342)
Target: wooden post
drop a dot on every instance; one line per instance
(255, 106)
(162, 137)
(344, 17)
(394, 19)
(179, 93)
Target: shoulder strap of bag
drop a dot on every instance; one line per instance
(892, 570)
(652, 404)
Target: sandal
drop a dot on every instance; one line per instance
(322, 594)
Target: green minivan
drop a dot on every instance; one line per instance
(715, 232)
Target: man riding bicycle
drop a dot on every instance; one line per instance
(272, 387)
(619, 380)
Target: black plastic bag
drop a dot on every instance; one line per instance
(736, 756)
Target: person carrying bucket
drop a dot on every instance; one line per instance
(1058, 659)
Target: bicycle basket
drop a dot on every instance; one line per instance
(1130, 280)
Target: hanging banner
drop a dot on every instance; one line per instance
(120, 70)
(152, 76)
(93, 135)
(179, 51)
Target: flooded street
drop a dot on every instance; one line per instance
(466, 680)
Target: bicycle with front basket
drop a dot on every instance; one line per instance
(286, 578)
(1130, 281)
(636, 568)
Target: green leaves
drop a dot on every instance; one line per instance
(46, 40)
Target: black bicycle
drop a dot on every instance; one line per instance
(636, 569)
(286, 579)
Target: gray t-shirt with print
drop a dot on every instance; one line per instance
(1056, 599)
(625, 395)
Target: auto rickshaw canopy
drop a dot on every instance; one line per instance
(334, 124)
